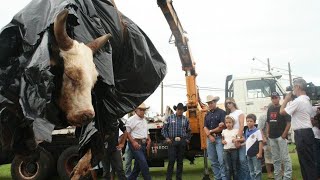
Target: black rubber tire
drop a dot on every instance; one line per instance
(23, 168)
(67, 161)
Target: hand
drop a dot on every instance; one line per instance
(284, 136)
(221, 124)
(148, 146)
(212, 139)
(120, 146)
(288, 97)
(224, 142)
(259, 156)
(168, 141)
(136, 145)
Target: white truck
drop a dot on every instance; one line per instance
(253, 93)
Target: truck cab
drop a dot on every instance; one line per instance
(253, 93)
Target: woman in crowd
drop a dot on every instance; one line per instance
(238, 115)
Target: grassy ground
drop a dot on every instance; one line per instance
(190, 172)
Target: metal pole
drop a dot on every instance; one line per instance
(268, 65)
(290, 76)
(162, 99)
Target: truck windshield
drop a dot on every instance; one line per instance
(262, 88)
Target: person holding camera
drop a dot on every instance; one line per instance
(301, 112)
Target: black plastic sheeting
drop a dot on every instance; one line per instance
(130, 68)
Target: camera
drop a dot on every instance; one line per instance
(312, 91)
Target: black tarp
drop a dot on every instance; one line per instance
(130, 68)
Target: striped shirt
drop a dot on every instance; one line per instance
(176, 127)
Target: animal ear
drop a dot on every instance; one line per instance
(96, 44)
(64, 41)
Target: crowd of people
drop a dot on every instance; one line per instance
(235, 151)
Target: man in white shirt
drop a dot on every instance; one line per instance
(301, 112)
(139, 142)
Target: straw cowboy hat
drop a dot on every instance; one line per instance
(180, 106)
(212, 98)
(143, 106)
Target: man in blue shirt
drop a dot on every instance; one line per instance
(213, 126)
(177, 131)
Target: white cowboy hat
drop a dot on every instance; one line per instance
(212, 98)
(143, 106)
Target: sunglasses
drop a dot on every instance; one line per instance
(229, 102)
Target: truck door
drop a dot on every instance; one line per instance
(258, 94)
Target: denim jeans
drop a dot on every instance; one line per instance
(255, 168)
(243, 169)
(140, 163)
(316, 147)
(128, 156)
(230, 157)
(176, 152)
(215, 155)
(280, 154)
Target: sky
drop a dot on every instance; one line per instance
(224, 37)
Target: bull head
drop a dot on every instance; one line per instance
(80, 73)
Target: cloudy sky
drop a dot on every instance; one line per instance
(224, 37)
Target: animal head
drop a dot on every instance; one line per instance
(80, 73)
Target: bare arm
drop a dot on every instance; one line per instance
(284, 104)
(259, 155)
(207, 131)
(241, 125)
(286, 130)
(267, 129)
(122, 140)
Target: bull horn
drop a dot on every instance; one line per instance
(64, 41)
(96, 44)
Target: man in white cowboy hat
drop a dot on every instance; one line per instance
(177, 131)
(139, 141)
(213, 126)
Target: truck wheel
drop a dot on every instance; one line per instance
(67, 161)
(23, 168)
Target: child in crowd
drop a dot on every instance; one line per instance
(254, 146)
(230, 152)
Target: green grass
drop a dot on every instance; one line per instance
(190, 172)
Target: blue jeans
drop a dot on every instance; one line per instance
(128, 156)
(254, 167)
(243, 169)
(280, 154)
(230, 157)
(215, 155)
(140, 163)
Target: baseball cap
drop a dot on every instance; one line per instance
(275, 94)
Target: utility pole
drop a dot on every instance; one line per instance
(269, 70)
(162, 98)
(290, 76)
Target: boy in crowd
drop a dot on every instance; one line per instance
(254, 146)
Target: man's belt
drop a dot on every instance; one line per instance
(177, 139)
(141, 141)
